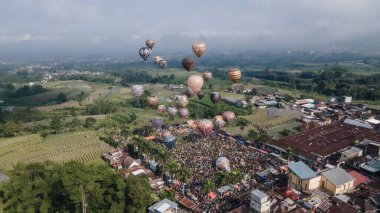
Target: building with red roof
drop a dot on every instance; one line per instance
(359, 178)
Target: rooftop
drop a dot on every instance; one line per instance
(338, 176)
(302, 170)
(326, 140)
(359, 178)
(164, 205)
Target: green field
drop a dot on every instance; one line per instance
(61, 148)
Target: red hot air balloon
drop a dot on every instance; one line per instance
(188, 64)
(228, 116)
(195, 83)
(205, 127)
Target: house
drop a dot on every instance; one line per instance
(346, 99)
(260, 202)
(372, 166)
(353, 152)
(302, 178)
(359, 178)
(225, 190)
(337, 181)
(164, 206)
(130, 162)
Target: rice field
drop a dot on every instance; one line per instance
(79, 146)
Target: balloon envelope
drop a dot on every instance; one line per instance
(183, 113)
(170, 141)
(181, 101)
(150, 43)
(156, 59)
(199, 48)
(234, 75)
(152, 100)
(188, 63)
(223, 163)
(162, 63)
(215, 97)
(161, 109)
(228, 116)
(156, 123)
(219, 122)
(172, 111)
(205, 127)
(200, 95)
(207, 76)
(144, 53)
(195, 83)
(165, 134)
(137, 90)
(189, 92)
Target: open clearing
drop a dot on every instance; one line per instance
(61, 148)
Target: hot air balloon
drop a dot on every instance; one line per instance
(172, 111)
(219, 122)
(215, 97)
(188, 64)
(137, 90)
(183, 113)
(165, 134)
(223, 163)
(157, 59)
(200, 95)
(228, 116)
(162, 63)
(144, 53)
(189, 92)
(199, 48)
(150, 43)
(152, 100)
(181, 101)
(234, 75)
(156, 123)
(161, 109)
(207, 76)
(195, 83)
(170, 141)
(205, 127)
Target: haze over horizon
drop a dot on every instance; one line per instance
(32, 27)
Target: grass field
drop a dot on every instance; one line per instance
(61, 148)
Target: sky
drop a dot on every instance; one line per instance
(122, 26)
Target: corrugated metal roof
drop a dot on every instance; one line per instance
(302, 170)
(338, 176)
(358, 123)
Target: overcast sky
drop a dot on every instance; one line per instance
(114, 26)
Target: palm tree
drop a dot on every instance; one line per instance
(289, 153)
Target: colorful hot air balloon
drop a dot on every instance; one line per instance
(234, 75)
(183, 113)
(188, 64)
(205, 127)
(162, 63)
(195, 83)
(189, 93)
(165, 134)
(152, 100)
(228, 116)
(170, 141)
(137, 90)
(144, 53)
(156, 123)
(200, 95)
(207, 76)
(219, 122)
(199, 48)
(223, 163)
(215, 97)
(172, 111)
(156, 59)
(181, 101)
(161, 109)
(150, 43)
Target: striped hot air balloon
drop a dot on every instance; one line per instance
(195, 83)
(234, 75)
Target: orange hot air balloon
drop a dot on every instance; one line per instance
(234, 75)
(199, 48)
(195, 83)
(152, 100)
(207, 76)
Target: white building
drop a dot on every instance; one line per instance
(164, 206)
(260, 202)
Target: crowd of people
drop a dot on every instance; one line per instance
(199, 154)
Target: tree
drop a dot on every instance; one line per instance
(285, 132)
(56, 124)
(61, 98)
(208, 186)
(289, 153)
(138, 194)
(90, 122)
(253, 134)
(74, 124)
(172, 167)
(184, 174)
(9, 129)
(241, 123)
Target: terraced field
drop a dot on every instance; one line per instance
(61, 148)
